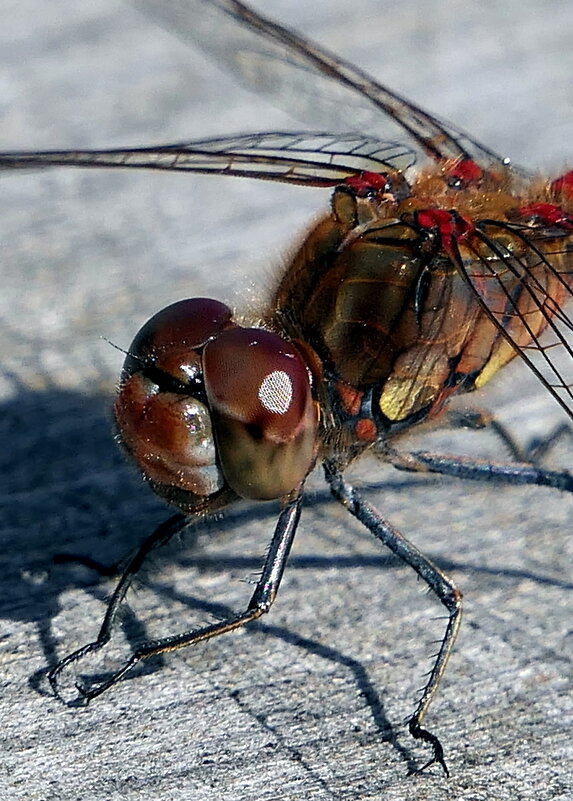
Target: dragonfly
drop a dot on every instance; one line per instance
(413, 288)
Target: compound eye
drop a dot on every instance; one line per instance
(161, 410)
(169, 435)
(264, 417)
(169, 339)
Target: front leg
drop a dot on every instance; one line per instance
(156, 539)
(261, 600)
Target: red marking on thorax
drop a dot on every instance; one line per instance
(365, 183)
(350, 398)
(548, 214)
(564, 185)
(464, 173)
(366, 430)
(446, 224)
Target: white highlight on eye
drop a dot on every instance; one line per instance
(275, 392)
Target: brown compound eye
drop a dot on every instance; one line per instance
(264, 417)
(172, 336)
(161, 409)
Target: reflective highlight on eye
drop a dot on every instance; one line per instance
(275, 392)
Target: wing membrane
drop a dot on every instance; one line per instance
(280, 64)
(311, 159)
(524, 295)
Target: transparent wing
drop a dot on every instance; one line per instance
(304, 78)
(311, 159)
(523, 279)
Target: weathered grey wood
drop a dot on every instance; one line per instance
(308, 704)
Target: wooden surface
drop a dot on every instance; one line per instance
(309, 703)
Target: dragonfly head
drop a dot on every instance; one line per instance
(205, 405)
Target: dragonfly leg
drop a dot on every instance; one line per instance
(261, 600)
(156, 539)
(538, 447)
(533, 452)
(442, 586)
(515, 473)
(479, 419)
